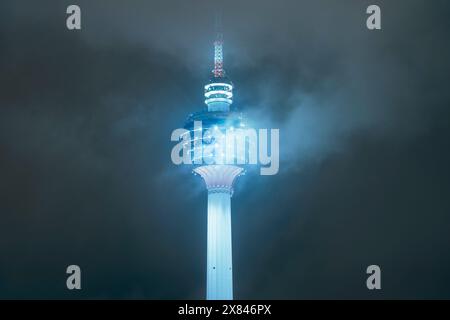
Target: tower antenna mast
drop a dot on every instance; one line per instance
(218, 70)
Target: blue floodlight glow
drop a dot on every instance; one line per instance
(221, 143)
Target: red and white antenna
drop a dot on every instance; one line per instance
(218, 49)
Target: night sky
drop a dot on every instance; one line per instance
(86, 176)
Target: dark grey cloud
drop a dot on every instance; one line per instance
(85, 167)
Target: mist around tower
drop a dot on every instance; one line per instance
(298, 151)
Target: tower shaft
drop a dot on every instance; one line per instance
(219, 273)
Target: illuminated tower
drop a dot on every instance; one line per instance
(219, 178)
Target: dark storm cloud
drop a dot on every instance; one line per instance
(85, 167)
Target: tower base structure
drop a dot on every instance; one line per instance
(219, 275)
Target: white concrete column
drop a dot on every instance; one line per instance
(219, 273)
